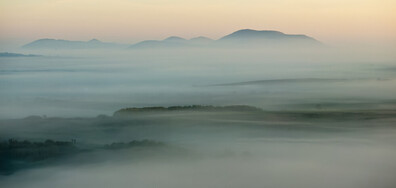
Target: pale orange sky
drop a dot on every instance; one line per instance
(129, 21)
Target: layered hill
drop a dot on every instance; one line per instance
(172, 42)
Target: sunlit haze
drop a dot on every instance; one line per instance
(198, 94)
(129, 21)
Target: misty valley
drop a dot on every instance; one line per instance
(242, 142)
(251, 109)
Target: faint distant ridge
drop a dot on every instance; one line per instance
(201, 39)
(240, 38)
(172, 42)
(7, 54)
(192, 108)
(168, 42)
(56, 44)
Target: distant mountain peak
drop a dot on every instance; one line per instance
(94, 40)
(250, 33)
(174, 38)
(257, 31)
(267, 37)
(201, 38)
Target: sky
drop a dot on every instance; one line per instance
(129, 21)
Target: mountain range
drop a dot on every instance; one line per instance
(242, 38)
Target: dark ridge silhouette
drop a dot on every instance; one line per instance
(240, 112)
(233, 108)
(17, 155)
(134, 143)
